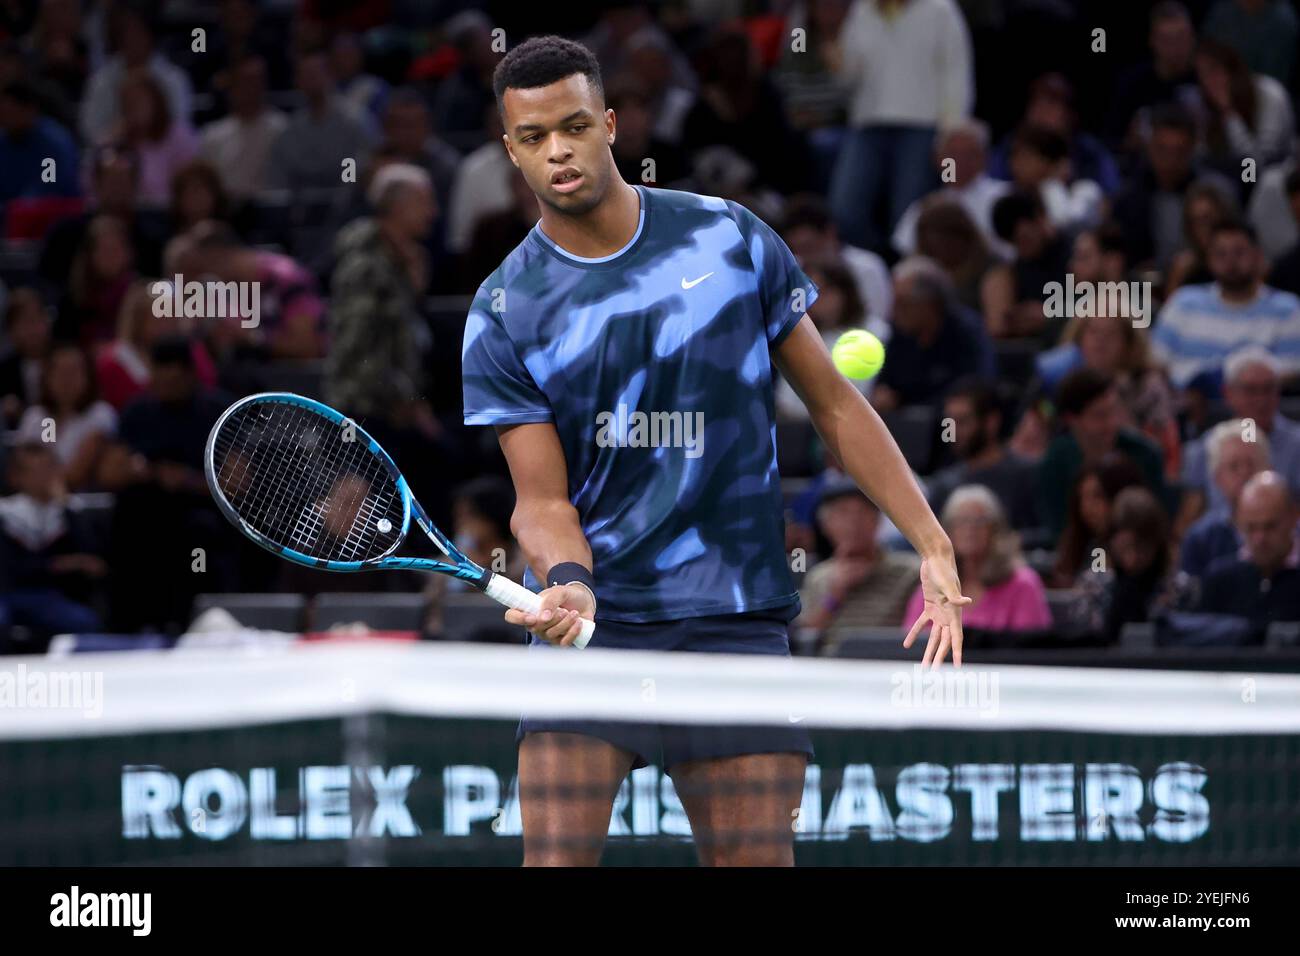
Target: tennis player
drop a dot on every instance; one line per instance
(624, 353)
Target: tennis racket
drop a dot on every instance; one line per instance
(312, 486)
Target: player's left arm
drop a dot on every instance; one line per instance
(857, 437)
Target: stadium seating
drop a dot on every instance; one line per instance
(272, 612)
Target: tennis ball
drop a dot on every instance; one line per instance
(858, 354)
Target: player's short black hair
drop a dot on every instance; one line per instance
(1012, 209)
(541, 61)
(1080, 389)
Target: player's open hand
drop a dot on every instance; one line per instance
(559, 620)
(943, 603)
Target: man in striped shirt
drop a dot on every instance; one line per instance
(1201, 325)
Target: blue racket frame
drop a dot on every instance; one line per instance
(459, 565)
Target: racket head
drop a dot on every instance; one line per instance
(306, 483)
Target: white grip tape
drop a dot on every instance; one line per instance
(505, 591)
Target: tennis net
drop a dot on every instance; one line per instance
(373, 753)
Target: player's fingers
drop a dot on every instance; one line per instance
(931, 644)
(916, 629)
(575, 628)
(945, 639)
(559, 626)
(957, 638)
(515, 616)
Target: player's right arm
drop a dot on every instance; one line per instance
(547, 527)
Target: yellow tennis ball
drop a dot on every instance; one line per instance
(858, 354)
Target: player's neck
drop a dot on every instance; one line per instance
(601, 231)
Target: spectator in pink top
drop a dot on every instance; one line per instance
(164, 144)
(1008, 594)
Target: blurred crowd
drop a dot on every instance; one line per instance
(1077, 232)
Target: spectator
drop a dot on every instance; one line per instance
(816, 102)
(934, 340)
(482, 187)
(322, 133)
(409, 138)
(1116, 347)
(290, 323)
(1007, 594)
(38, 157)
(738, 107)
(70, 416)
(162, 144)
(1149, 208)
(1265, 33)
(101, 272)
(464, 98)
(122, 366)
(197, 196)
(114, 174)
(1205, 208)
(375, 366)
(28, 328)
(654, 61)
(57, 51)
(946, 233)
(1272, 211)
(1199, 324)
(1262, 584)
(480, 525)
(1039, 164)
(46, 553)
(907, 64)
(960, 154)
(810, 232)
(1169, 76)
(155, 470)
(1098, 255)
(972, 408)
(1286, 271)
(1051, 109)
(132, 25)
(239, 145)
(1091, 499)
(837, 309)
(1252, 391)
(496, 235)
(1042, 256)
(1232, 462)
(364, 93)
(637, 141)
(1247, 116)
(859, 585)
(1089, 405)
(1137, 584)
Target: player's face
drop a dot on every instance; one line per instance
(559, 136)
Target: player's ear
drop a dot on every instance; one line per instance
(611, 126)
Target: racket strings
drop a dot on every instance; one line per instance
(293, 476)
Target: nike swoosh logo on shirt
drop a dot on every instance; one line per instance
(694, 282)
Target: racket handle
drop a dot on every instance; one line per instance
(504, 591)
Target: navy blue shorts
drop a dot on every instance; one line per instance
(758, 632)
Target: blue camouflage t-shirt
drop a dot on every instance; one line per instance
(654, 365)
